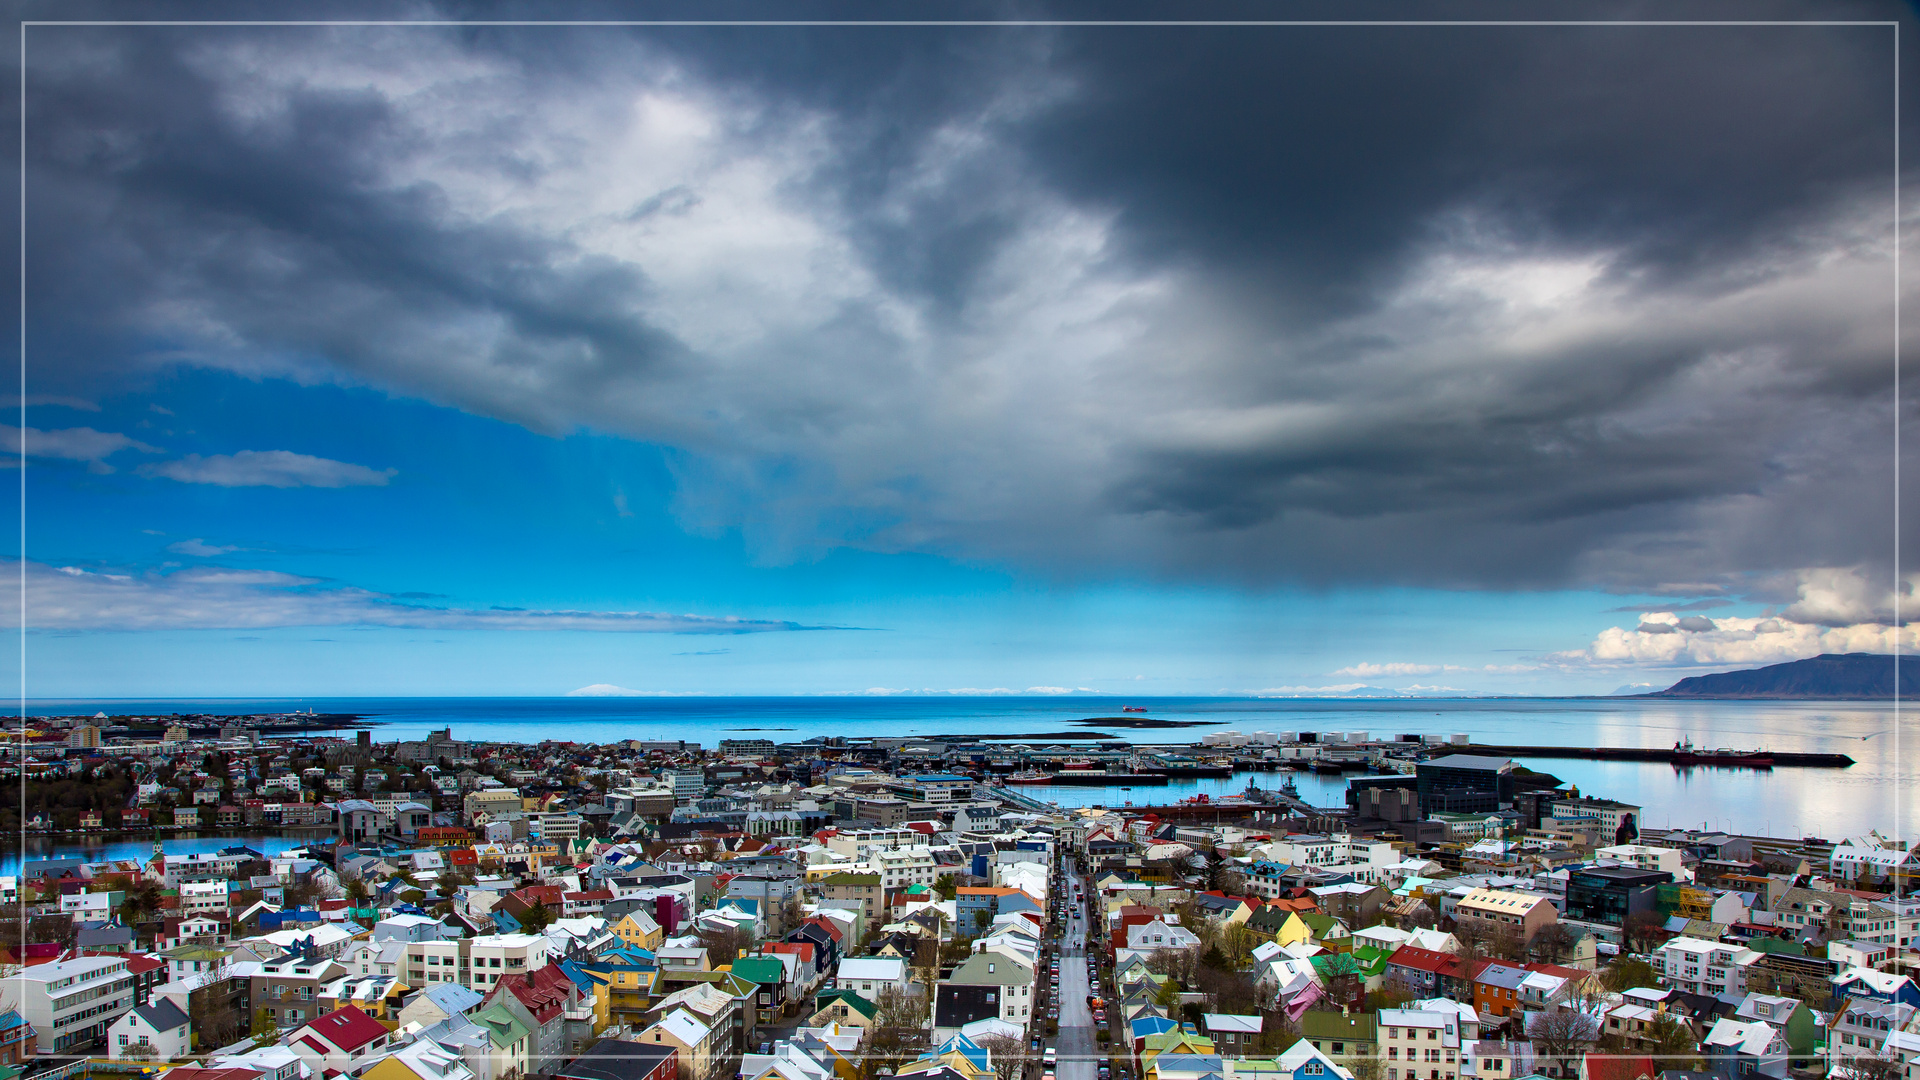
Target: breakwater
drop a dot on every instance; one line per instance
(1684, 758)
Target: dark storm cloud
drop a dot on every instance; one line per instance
(1463, 306)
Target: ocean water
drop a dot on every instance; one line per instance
(1876, 792)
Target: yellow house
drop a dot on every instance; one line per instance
(1170, 1042)
(365, 993)
(952, 1059)
(422, 1060)
(639, 931)
(698, 1044)
(844, 1007)
(622, 995)
(1294, 931)
(390, 1068)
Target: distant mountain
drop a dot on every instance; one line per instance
(1638, 689)
(1363, 691)
(1834, 675)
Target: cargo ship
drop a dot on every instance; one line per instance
(1685, 753)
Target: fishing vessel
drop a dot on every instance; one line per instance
(1685, 753)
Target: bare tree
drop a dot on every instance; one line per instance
(1560, 1036)
(725, 944)
(1873, 1067)
(1472, 934)
(210, 1005)
(1643, 931)
(1228, 991)
(1277, 1033)
(894, 1007)
(1178, 964)
(1009, 1055)
(1505, 942)
(1420, 918)
(792, 910)
(898, 1031)
(1554, 943)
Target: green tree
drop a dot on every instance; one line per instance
(1627, 973)
(1674, 1046)
(537, 918)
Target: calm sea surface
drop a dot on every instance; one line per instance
(1875, 793)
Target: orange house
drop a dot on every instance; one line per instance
(1496, 988)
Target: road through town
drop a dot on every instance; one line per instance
(1078, 1059)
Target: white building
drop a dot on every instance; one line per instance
(1872, 855)
(1645, 857)
(1712, 968)
(1418, 1044)
(72, 1003)
(94, 906)
(475, 963)
(203, 896)
(1369, 861)
(1609, 814)
(872, 974)
(904, 866)
(1864, 1028)
(156, 1032)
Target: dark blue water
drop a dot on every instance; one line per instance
(1824, 802)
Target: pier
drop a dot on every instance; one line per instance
(1778, 758)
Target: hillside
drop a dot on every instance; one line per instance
(1834, 675)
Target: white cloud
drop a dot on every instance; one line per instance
(974, 691)
(610, 690)
(14, 401)
(1839, 596)
(70, 444)
(1374, 671)
(1837, 610)
(1659, 641)
(200, 548)
(203, 598)
(268, 468)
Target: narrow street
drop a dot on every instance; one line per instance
(1076, 1047)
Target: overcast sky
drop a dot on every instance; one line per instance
(750, 359)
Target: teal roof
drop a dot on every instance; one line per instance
(760, 969)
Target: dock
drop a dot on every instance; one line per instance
(1780, 758)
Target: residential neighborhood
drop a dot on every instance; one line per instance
(463, 911)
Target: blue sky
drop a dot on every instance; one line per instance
(397, 361)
